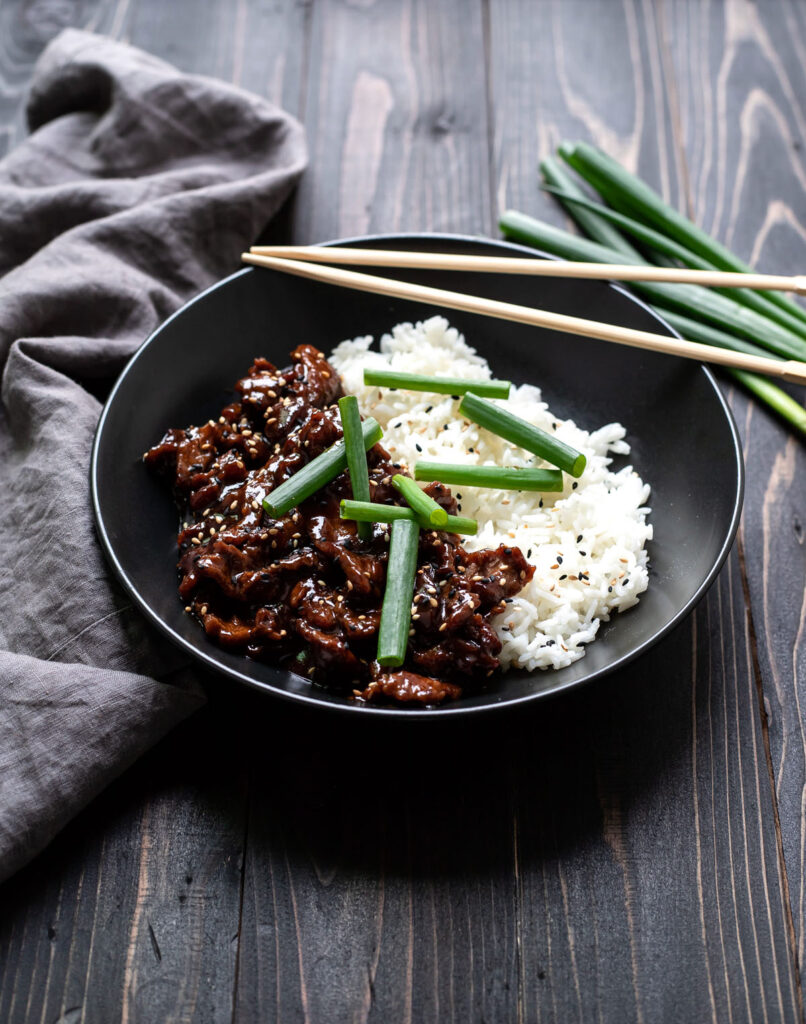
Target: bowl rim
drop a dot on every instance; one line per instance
(313, 699)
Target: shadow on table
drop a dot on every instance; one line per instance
(467, 797)
(335, 796)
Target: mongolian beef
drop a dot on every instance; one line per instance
(304, 589)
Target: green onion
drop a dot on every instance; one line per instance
(356, 455)
(566, 189)
(693, 330)
(774, 396)
(371, 512)
(630, 195)
(317, 473)
(523, 434)
(393, 634)
(438, 385)
(759, 301)
(689, 299)
(491, 476)
(374, 512)
(460, 524)
(428, 511)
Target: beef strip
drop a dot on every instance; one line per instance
(303, 588)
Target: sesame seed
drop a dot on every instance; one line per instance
(443, 627)
(188, 608)
(195, 541)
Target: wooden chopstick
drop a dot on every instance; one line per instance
(790, 370)
(534, 266)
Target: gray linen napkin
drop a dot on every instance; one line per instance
(138, 186)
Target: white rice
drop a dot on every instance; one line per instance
(556, 614)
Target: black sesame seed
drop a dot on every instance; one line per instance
(564, 576)
(529, 553)
(574, 486)
(472, 450)
(583, 553)
(398, 425)
(455, 398)
(540, 503)
(508, 600)
(579, 538)
(610, 590)
(444, 426)
(458, 497)
(559, 559)
(430, 407)
(419, 449)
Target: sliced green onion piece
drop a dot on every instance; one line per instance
(393, 634)
(356, 455)
(460, 524)
(519, 432)
(491, 476)
(426, 508)
(317, 473)
(437, 385)
(372, 512)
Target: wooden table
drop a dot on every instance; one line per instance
(631, 853)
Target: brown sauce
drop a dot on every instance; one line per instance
(304, 589)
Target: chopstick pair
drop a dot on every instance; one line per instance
(305, 261)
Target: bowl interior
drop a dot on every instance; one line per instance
(683, 439)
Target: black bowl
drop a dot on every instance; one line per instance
(683, 439)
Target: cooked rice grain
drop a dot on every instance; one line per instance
(587, 543)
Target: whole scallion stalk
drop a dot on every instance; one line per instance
(687, 299)
(629, 194)
(661, 243)
(687, 319)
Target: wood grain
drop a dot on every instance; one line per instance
(742, 89)
(133, 913)
(397, 119)
(612, 856)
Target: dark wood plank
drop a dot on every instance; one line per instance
(396, 118)
(133, 912)
(742, 93)
(607, 857)
(135, 909)
(610, 80)
(25, 30)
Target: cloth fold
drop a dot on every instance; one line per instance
(138, 187)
